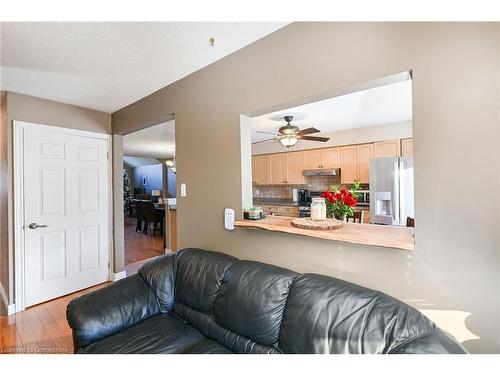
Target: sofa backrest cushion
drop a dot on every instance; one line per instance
(251, 300)
(198, 277)
(159, 274)
(327, 315)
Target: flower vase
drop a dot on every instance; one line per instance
(339, 216)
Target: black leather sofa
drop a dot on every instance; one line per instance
(199, 301)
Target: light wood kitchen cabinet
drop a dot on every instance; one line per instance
(330, 157)
(253, 170)
(354, 161)
(286, 168)
(363, 155)
(277, 168)
(386, 149)
(322, 158)
(260, 169)
(348, 168)
(294, 165)
(312, 159)
(407, 147)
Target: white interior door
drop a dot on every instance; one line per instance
(65, 201)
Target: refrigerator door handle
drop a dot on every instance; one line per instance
(402, 190)
(396, 200)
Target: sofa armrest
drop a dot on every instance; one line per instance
(435, 342)
(106, 311)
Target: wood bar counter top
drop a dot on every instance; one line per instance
(364, 234)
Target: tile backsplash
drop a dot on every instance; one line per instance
(313, 183)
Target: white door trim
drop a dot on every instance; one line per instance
(18, 153)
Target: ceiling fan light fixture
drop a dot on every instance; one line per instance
(288, 140)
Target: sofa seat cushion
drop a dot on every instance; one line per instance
(207, 346)
(162, 333)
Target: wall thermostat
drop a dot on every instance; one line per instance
(229, 215)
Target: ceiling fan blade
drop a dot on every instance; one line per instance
(265, 140)
(308, 131)
(317, 139)
(258, 131)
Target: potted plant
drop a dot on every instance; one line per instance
(339, 202)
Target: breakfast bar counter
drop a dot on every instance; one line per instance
(364, 234)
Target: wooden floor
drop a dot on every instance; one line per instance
(139, 246)
(43, 328)
(39, 329)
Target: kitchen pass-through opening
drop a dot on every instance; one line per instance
(357, 143)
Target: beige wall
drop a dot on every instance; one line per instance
(30, 109)
(47, 112)
(344, 137)
(455, 266)
(118, 216)
(4, 202)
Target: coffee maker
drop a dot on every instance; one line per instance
(304, 197)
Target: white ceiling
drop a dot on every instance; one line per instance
(109, 65)
(154, 142)
(380, 105)
(134, 161)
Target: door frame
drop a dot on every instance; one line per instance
(18, 175)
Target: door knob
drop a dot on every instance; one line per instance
(35, 225)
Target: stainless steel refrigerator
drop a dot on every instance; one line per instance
(391, 190)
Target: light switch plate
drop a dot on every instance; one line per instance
(183, 190)
(229, 215)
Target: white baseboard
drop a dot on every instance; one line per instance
(11, 309)
(118, 276)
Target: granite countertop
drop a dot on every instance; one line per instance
(273, 202)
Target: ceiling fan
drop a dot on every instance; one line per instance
(288, 135)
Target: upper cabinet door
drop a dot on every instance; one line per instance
(260, 172)
(330, 157)
(312, 159)
(347, 164)
(386, 149)
(277, 168)
(363, 155)
(294, 162)
(407, 147)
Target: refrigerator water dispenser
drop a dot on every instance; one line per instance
(383, 207)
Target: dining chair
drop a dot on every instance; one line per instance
(357, 216)
(150, 216)
(410, 222)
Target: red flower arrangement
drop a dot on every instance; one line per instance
(339, 202)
